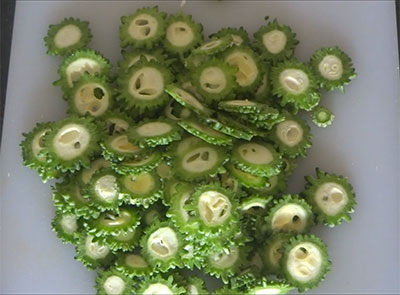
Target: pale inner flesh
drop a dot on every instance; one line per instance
(94, 250)
(200, 160)
(331, 198)
(143, 26)
(186, 144)
(138, 162)
(255, 153)
(206, 129)
(294, 81)
(157, 289)
(247, 68)
(113, 220)
(213, 80)
(304, 262)
(289, 132)
(71, 141)
(146, 84)
(67, 36)
(139, 184)
(105, 188)
(210, 45)
(179, 34)
(38, 145)
(125, 236)
(137, 58)
(96, 165)
(78, 67)
(192, 289)
(91, 98)
(214, 207)
(118, 125)
(241, 102)
(268, 291)
(69, 224)
(153, 129)
(163, 243)
(274, 253)
(224, 260)
(163, 170)
(114, 285)
(331, 67)
(188, 98)
(135, 261)
(290, 217)
(237, 40)
(121, 144)
(274, 41)
(182, 202)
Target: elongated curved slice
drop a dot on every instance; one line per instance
(195, 286)
(67, 226)
(115, 123)
(118, 148)
(145, 163)
(32, 156)
(249, 73)
(141, 189)
(322, 117)
(256, 157)
(290, 214)
(113, 282)
(131, 58)
(292, 136)
(142, 86)
(245, 178)
(205, 132)
(79, 63)
(197, 161)
(242, 106)
(182, 34)
(133, 265)
(187, 99)
(143, 29)
(239, 35)
(214, 46)
(305, 261)
(264, 286)
(331, 197)
(92, 254)
(214, 80)
(154, 133)
(91, 95)
(124, 241)
(110, 223)
(162, 245)
(251, 204)
(333, 68)
(272, 252)
(67, 36)
(275, 42)
(71, 143)
(157, 285)
(295, 84)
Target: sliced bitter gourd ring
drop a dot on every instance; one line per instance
(253, 203)
(31, 148)
(214, 46)
(264, 286)
(110, 223)
(333, 68)
(142, 86)
(132, 58)
(103, 190)
(305, 261)
(272, 252)
(154, 133)
(85, 175)
(177, 212)
(133, 265)
(277, 185)
(91, 95)
(322, 117)
(186, 99)
(331, 196)
(239, 35)
(290, 214)
(214, 80)
(275, 42)
(292, 136)
(182, 34)
(256, 157)
(92, 254)
(198, 161)
(162, 245)
(71, 143)
(67, 36)
(115, 123)
(229, 126)
(249, 73)
(118, 148)
(205, 132)
(113, 282)
(241, 106)
(157, 285)
(143, 29)
(145, 163)
(153, 213)
(196, 286)
(78, 63)
(125, 241)
(295, 84)
(245, 178)
(67, 226)
(141, 189)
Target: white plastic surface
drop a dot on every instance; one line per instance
(363, 142)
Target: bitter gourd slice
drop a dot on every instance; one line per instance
(116, 123)
(158, 285)
(239, 35)
(67, 226)
(331, 197)
(118, 148)
(133, 265)
(252, 204)
(143, 29)
(145, 163)
(164, 170)
(85, 175)
(177, 212)
(195, 286)
(131, 58)
(67, 36)
(241, 106)
(322, 117)
(113, 282)
(245, 178)
(175, 111)
(155, 212)
(333, 68)
(123, 241)
(277, 185)
(305, 261)
(264, 286)
(272, 252)
(229, 126)
(214, 46)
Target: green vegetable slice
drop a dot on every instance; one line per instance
(175, 111)
(275, 42)
(239, 35)
(85, 175)
(130, 58)
(115, 122)
(214, 46)
(245, 178)
(112, 282)
(272, 252)
(182, 34)
(264, 286)
(322, 117)
(159, 285)
(133, 265)
(253, 203)
(170, 188)
(70, 143)
(162, 245)
(305, 261)
(118, 148)
(78, 63)
(125, 241)
(290, 214)
(333, 68)
(242, 106)
(277, 185)
(229, 126)
(143, 29)
(90, 95)
(67, 226)
(295, 84)
(141, 189)
(164, 170)
(196, 286)
(145, 163)
(67, 36)
(153, 213)
(256, 157)
(262, 93)
(142, 86)
(331, 197)
(177, 211)
(154, 133)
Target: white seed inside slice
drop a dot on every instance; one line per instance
(331, 198)
(94, 250)
(71, 141)
(157, 289)
(290, 217)
(224, 260)
(163, 243)
(146, 84)
(331, 67)
(114, 285)
(105, 188)
(153, 129)
(78, 67)
(274, 41)
(143, 26)
(304, 262)
(213, 80)
(247, 68)
(214, 207)
(69, 224)
(179, 34)
(255, 153)
(294, 81)
(67, 36)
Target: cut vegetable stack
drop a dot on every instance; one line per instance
(180, 160)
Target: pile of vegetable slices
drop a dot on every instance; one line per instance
(179, 160)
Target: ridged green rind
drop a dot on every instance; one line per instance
(115, 122)
(130, 267)
(65, 236)
(324, 268)
(273, 249)
(130, 58)
(150, 42)
(234, 33)
(128, 150)
(243, 106)
(177, 212)
(312, 186)
(158, 279)
(247, 179)
(254, 202)
(322, 117)
(101, 281)
(214, 46)
(123, 242)
(347, 65)
(86, 36)
(277, 185)
(145, 163)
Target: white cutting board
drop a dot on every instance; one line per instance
(363, 142)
